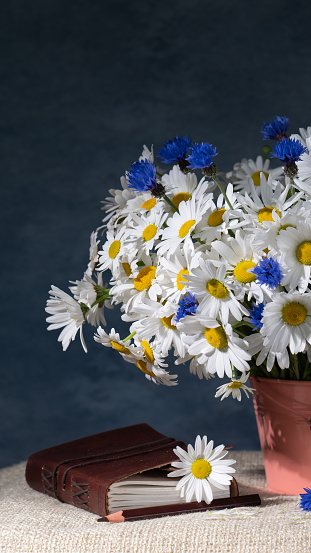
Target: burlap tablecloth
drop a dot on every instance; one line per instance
(33, 522)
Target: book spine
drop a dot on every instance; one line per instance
(79, 490)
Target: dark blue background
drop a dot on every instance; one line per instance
(83, 86)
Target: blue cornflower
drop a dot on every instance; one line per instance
(288, 150)
(268, 271)
(305, 500)
(201, 155)
(142, 176)
(256, 315)
(276, 129)
(175, 150)
(187, 306)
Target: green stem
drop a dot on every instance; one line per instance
(170, 203)
(222, 190)
(101, 295)
(242, 323)
(241, 333)
(129, 337)
(291, 191)
(305, 373)
(233, 371)
(294, 365)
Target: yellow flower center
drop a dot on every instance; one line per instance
(144, 278)
(147, 351)
(180, 197)
(284, 227)
(142, 365)
(216, 289)
(216, 218)
(149, 232)
(235, 385)
(294, 313)
(167, 321)
(256, 177)
(149, 204)
(181, 279)
(114, 249)
(184, 229)
(303, 253)
(241, 274)
(119, 347)
(216, 337)
(127, 268)
(201, 468)
(265, 214)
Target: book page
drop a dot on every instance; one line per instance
(149, 489)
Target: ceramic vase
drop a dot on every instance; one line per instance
(283, 414)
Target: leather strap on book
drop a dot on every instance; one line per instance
(132, 451)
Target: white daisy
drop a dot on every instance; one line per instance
(147, 154)
(133, 287)
(295, 255)
(214, 293)
(113, 251)
(219, 218)
(113, 340)
(174, 270)
(66, 313)
(144, 203)
(118, 199)
(270, 204)
(265, 237)
(178, 185)
(150, 362)
(201, 469)
(255, 346)
(90, 292)
(241, 258)
(93, 255)
(287, 322)
(249, 169)
(234, 387)
(156, 320)
(144, 231)
(181, 187)
(181, 225)
(303, 179)
(215, 345)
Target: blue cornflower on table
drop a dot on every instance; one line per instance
(269, 272)
(305, 500)
(275, 129)
(175, 150)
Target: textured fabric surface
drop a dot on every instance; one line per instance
(33, 522)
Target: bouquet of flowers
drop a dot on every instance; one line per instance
(213, 266)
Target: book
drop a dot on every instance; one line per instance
(149, 489)
(117, 470)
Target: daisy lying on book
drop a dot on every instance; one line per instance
(204, 471)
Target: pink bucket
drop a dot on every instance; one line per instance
(283, 414)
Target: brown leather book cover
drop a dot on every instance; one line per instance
(80, 472)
